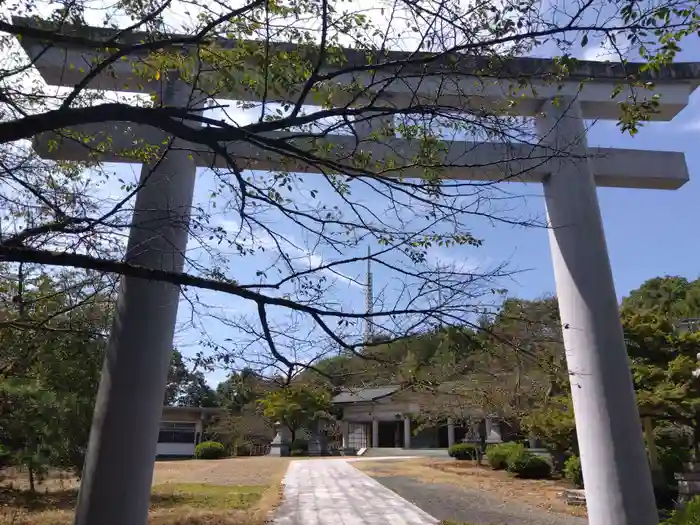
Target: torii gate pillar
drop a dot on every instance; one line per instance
(615, 468)
(124, 432)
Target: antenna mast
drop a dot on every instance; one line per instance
(369, 298)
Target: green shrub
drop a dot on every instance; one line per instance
(5, 457)
(463, 451)
(573, 472)
(296, 452)
(687, 515)
(498, 455)
(674, 446)
(209, 450)
(529, 466)
(300, 444)
(672, 460)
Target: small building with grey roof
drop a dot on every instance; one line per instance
(386, 416)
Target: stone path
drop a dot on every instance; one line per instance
(332, 492)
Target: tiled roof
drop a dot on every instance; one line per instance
(359, 395)
(188, 409)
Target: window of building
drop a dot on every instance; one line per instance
(358, 435)
(176, 433)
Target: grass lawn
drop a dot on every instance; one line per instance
(468, 475)
(237, 491)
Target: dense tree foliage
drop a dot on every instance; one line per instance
(241, 389)
(52, 341)
(187, 387)
(671, 297)
(295, 406)
(511, 365)
(662, 349)
(660, 322)
(506, 365)
(664, 359)
(514, 366)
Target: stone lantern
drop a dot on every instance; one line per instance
(281, 443)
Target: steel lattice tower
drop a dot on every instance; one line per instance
(369, 299)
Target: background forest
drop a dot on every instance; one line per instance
(54, 329)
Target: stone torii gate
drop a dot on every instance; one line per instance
(119, 465)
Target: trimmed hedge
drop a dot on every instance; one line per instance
(573, 472)
(296, 452)
(209, 450)
(529, 466)
(498, 455)
(463, 451)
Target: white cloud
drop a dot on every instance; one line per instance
(602, 52)
(454, 259)
(298, 255)
(693, 125)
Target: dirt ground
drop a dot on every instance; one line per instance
(235, 491)
(545, 494)
(232, 471)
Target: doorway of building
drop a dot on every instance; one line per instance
(391, 434)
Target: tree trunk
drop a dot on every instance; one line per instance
(657, 474)
(651, 443)
(30, 471)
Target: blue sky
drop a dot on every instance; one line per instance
(649, 232)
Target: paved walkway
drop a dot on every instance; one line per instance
(332, 492)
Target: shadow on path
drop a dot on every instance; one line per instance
(446, 502)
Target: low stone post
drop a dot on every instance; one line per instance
(688, 483)
(493, 431)
(450, 432)
(406, 432)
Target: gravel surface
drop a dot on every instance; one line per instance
(446, 502)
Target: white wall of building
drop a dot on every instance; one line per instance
(175, 449)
